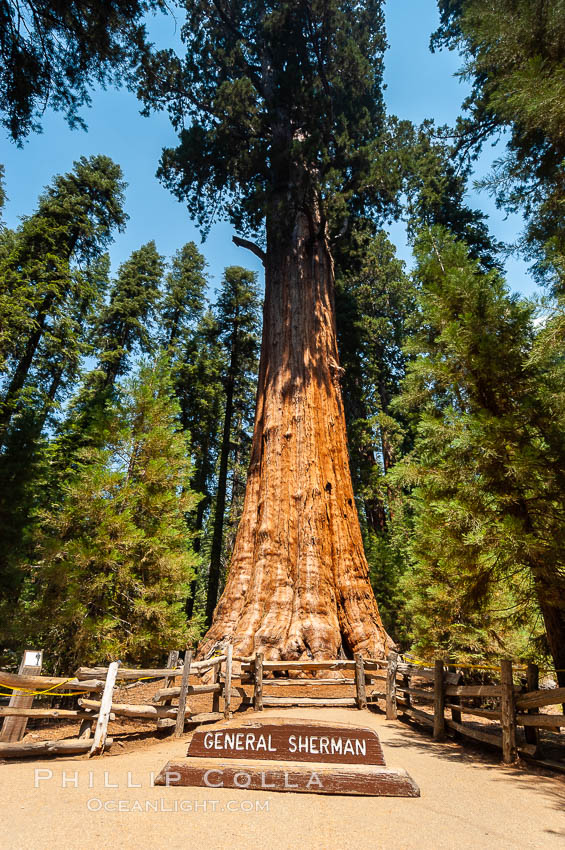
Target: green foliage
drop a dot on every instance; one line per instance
(184, 299)
(514, 55)
(273, 99)
(374, 301)
(51, 53)
(50, 269)
(485, 514)
(237, 314)
(113, 560)
(124, 323)
(53, 276)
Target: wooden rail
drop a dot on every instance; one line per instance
(516, 707)
(434, 696)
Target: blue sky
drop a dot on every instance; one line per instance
(419, 85)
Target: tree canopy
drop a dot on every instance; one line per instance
(285, 94)
(52, 53)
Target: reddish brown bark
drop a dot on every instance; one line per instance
(298, 585)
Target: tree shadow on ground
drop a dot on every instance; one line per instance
(413, 736)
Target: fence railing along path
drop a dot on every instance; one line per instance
(398, 683)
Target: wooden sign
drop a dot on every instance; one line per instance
(364, 780)
(289, 755)
(14, 728)
(290, 741)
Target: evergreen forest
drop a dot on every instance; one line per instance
(127, 396)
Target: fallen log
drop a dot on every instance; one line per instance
(66, 746)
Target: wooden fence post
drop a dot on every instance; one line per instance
(181, 710)
(360, 681)
(258, 694)
(391, 710)
(439, 701)
(104, 711)
(455, 715)
(532, 684)
(172, 662)
(85, 730)
(507, 713)
(13, 728)
(227, 683)
(214, 681)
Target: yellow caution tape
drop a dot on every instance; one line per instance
(418, 663)
(52, 690)
(40, 693)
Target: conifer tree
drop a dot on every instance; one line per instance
(280, 120)
(198, 382)
(513, 56)
(486, 468)
(113, 560)
(51, 53)
(41, 274)
(184, 298)
(53, 275)
(238, 321)
(374, 303)
(123, 328)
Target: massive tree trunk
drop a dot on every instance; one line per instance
(298, 585)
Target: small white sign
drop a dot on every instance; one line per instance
(33, 658)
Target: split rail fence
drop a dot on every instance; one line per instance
(509, 706)
(402, 686)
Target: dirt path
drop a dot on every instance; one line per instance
(468, 801)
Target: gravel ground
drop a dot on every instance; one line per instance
(468, 801)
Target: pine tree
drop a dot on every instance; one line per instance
(125, 323)
(53, 275)
(514, 57)
(198, 382)
(42, 274)
(486, 469)
(51, 53)
(123, 328)
(184, 298)
(114, 560)
(238, 321)
(374, 304)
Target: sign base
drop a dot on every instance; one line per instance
(297, 777)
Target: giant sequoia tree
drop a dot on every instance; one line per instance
(280, 114)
